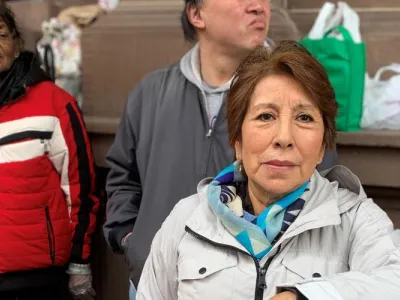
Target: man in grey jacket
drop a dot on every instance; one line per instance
(173, 131)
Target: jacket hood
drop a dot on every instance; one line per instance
(337, 182)
(190, 68)
(332, 192)
(25, 72)
(33, 73)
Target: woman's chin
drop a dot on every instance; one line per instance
(280, 186)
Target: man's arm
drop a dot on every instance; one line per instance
(123, 187)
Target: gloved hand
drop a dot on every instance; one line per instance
(80, 282)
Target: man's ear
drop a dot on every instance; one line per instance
(193, 11)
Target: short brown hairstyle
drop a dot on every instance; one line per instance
(286, 58)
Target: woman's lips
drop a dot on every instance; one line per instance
(280, 165)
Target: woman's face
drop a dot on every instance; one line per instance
(8, 48)
(282, 138)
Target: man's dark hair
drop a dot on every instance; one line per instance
(8, 17)
(189, 31)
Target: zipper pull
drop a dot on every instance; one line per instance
(262, 279)
(46, 150)
(209, 132)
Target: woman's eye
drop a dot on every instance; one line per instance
(305, 118)
(265, 117)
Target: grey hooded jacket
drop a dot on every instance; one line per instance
(164, 146)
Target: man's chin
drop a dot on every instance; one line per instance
(256, 43)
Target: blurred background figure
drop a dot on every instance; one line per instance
(173, 128)
(47, 191)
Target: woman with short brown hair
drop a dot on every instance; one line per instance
(269, 226)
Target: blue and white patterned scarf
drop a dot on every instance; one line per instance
(256, 234)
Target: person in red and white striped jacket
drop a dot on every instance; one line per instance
(48, 202)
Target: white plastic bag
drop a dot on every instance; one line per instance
(63, 41)
(331, 16)
(382, 100)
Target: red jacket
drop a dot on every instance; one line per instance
(47, 181)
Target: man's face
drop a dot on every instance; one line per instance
(241, 24)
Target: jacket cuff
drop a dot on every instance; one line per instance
(116, 235)
(79, 260)
(79, 269)
(319, 289)
(299, 295)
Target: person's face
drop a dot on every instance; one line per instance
(282, 137)
(242, 24)
(8, 48)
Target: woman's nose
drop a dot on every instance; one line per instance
(283, 135)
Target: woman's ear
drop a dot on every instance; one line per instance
(17, 48)
(321, 155)
(238, 150)
(195, 16)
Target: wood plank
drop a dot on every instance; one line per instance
(375, 166)
(304, 4)
(384, 139)
(138, 53)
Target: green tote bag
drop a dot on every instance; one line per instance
(344, 61)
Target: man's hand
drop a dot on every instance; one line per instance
(285, 296)
(125, 241)
(80, 282)
(80, 287)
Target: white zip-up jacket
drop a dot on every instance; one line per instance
(339, 247)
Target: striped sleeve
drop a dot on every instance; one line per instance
(71, 154)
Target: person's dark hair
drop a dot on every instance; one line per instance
(189, 32)
(287, 58)
(8, 17)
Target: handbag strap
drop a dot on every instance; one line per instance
(343, 31)
(393, 67)
(324, 16)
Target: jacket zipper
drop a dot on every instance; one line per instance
(45, 144)
(50, 234)
(209, 136)
(261, 284)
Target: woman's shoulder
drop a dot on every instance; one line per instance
(345, 185)
(51, 93)
(194, 207)
(173, 228)
(183, 210)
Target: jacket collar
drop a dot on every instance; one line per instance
(25, 72)
(333, 192)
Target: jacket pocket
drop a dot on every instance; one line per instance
(202, 276)
(50, 235)
(303, 265)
